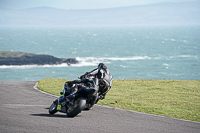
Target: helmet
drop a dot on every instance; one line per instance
(102, 65)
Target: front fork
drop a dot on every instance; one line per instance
(60, 99)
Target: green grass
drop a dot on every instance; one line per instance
(172, 98)
(10, 54)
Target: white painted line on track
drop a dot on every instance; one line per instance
(15, 106)
(35, 87)
(22, 105)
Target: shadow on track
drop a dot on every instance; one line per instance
(49, 115)
(54, 115)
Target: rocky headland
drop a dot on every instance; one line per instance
(21, 58)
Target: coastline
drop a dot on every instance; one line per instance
(21, 58)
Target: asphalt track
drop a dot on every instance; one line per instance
(25, 109)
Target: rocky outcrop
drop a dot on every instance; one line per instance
(20, 58)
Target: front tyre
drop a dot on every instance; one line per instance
(78, 106)
(53, 107)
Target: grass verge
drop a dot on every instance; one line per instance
(172, 98)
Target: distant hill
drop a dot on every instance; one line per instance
(182, 13)
(20, 58)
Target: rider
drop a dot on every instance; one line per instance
(104, 76)
(92, 86)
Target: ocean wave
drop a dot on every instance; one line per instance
(188, 56)
(81, 64)
(92, 61)
(112, 58)
(184, 56)
(83, 61)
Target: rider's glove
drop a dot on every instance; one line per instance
(101, 97)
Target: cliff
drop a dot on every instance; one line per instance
(20, 58)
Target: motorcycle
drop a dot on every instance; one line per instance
(71, 105)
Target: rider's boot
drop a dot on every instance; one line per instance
(72, 95)
(60, 101)
(59, 105)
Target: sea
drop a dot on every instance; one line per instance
(154, 52)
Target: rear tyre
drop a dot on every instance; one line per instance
(78, 106)
(53, 107)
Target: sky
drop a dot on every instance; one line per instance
(78, 4)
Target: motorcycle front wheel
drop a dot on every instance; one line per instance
(53, 107)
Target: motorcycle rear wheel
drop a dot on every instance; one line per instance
(53, 108)
(78, 106)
